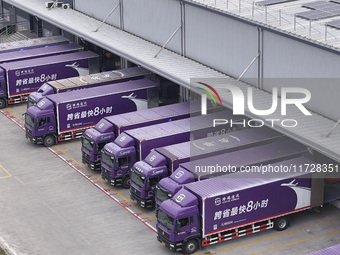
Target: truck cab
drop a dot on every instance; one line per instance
(40, 123)
(145, 175)
(94, 140)
(178, 223)
(169, 186)
(116, 160)
(36, 96)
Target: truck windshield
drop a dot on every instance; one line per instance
(108, 159)
(88, 143)
(137, 179)
(162, 194)
(29, 120)
(30, 102)
(166, 220)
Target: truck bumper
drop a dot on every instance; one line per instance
(145, 203)
(36, 140)
(107, 178)
(95, 166)
(175, 247)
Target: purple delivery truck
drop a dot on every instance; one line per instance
(87, 81)
(108, 128)
(134, 145)
(39, 52)
(143, 182)
(197, 170)
(32, 43)
(224, 208)
(20, 78)
(169, 158)
(65, 116)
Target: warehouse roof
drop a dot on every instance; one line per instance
(314, 21)
(311, 130)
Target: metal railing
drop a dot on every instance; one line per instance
(279, 18)
(8, 30)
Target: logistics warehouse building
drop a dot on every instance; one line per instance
(219, 39)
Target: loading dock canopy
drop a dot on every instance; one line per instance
(311, 130)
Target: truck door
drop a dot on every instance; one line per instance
(45, 125)
(123, 163)
(183, 226)
(151, 186)
(187, 226)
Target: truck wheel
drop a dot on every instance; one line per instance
(281, 223)
(126, 182)
(49, 141)
(2, 103)
(191, 246)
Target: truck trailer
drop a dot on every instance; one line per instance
(135, 144)
(108, 128)
(65, 116)
(32, 43)
(20, 78)
(39, 52)
(165, 160)
(197, 170)
(224, 208)
(86, 81)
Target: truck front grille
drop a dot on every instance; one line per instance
(163, 233)
(86, 156)
(135, 191)
(105, 170)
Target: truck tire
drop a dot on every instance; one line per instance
(190, 246)
(126, 182)
(281, 223)
(2, 103)
(49, 140)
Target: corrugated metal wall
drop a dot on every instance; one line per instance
(291, 63)
(100, 9)
(154, 20)
(220, 42)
